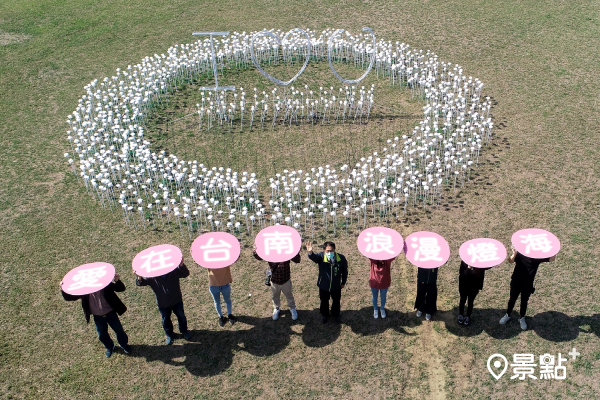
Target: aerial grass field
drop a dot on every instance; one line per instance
(540, 63)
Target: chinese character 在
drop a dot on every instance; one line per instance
(279, 242)
(216, 252)
(428, 249)
(379, 242)
(483, 252)
(88, 278)
(537, 242)
(156, 260)
(523, 366)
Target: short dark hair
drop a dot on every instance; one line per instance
(329, 244)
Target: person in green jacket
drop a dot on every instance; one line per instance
(333, 274)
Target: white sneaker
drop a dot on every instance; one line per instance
(504, 319)
(419, 313)
(383, 313)
(428, 317)
(376, 314)
(276, 314)
(294, 314)
(523, 323)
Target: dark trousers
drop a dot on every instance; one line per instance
(102, 324)
(426, 298)
(514, 293)
(336, 296)
(176, 309)
(463, 299)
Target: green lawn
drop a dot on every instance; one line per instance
(540, 63)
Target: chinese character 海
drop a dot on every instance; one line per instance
(379, 242)
(88, 278)
(216, 252)
(537, 242)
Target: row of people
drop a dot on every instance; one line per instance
(105, 306)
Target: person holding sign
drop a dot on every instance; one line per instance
(333, 274)
(521, 283)
(216, 251)
(426, 300)
(103, 304)
(379, 281)
(470, 282)
(477, 255)
(381, 246)
(169, 299)
(281, 282)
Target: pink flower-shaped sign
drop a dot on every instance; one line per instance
(215, 250)
(535, 243)
(380, 243)
(482, 252)
(88, 278)
(426, 249)
(278, 243)
(157, 260)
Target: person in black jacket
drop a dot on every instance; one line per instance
(333, 274)
(521, 283)
(470, 282)
(169, 299)
(106, 307)
(426, 300)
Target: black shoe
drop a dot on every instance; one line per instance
(461, 319)
(232, 319)
(222, 321)
(126, 349)
(324, 319)
(467, 321)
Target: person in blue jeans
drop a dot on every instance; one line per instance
(106, 307)
(169, 299)
(220, 284)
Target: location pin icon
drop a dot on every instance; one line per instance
(495, 366)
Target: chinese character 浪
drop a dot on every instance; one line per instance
(379, 242)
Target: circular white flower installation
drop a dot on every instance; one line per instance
(113, 157)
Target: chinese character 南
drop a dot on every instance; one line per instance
(279, 242)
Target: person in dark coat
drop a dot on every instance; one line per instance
(169, 299)
(106, 307)
(426, 301)
(521, 283)
(470, 282)
(333, 274)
